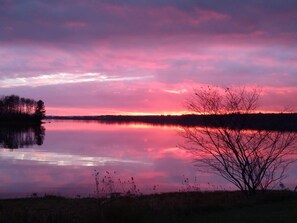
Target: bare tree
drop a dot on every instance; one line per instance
(249, 159)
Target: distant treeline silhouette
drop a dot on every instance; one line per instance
(259, 121)
(21, 136)
(17, 109)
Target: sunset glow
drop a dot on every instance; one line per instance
(145, 57)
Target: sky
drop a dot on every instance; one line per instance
(96, 57)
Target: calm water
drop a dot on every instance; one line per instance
(64, 158)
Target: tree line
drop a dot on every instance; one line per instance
(253, 121)
(15, 108)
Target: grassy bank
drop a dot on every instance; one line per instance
(174, 207)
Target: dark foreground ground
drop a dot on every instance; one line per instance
(228, 207)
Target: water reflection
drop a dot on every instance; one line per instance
(249, 159)
(64, 164)
(20, 136)
(60, 159)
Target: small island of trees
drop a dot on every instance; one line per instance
(15, 109)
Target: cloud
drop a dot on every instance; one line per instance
(62, 22)
(71, 53)
(63, 78)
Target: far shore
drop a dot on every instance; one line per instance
(258, 121)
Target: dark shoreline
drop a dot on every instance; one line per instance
(21, 123)
(272, 121)
(220, 206)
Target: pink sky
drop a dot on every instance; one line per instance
(145, 57)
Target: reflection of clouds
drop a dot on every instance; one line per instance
(59, 159)
(97, 126)
(168, 152)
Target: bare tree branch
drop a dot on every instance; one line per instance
(249, 159)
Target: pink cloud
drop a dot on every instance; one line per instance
(142, 53)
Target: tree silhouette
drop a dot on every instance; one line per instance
(15, 108)
(250, 159)
(40, 110)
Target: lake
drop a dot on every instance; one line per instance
(79, 158)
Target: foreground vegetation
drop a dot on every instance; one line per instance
(271, 206)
